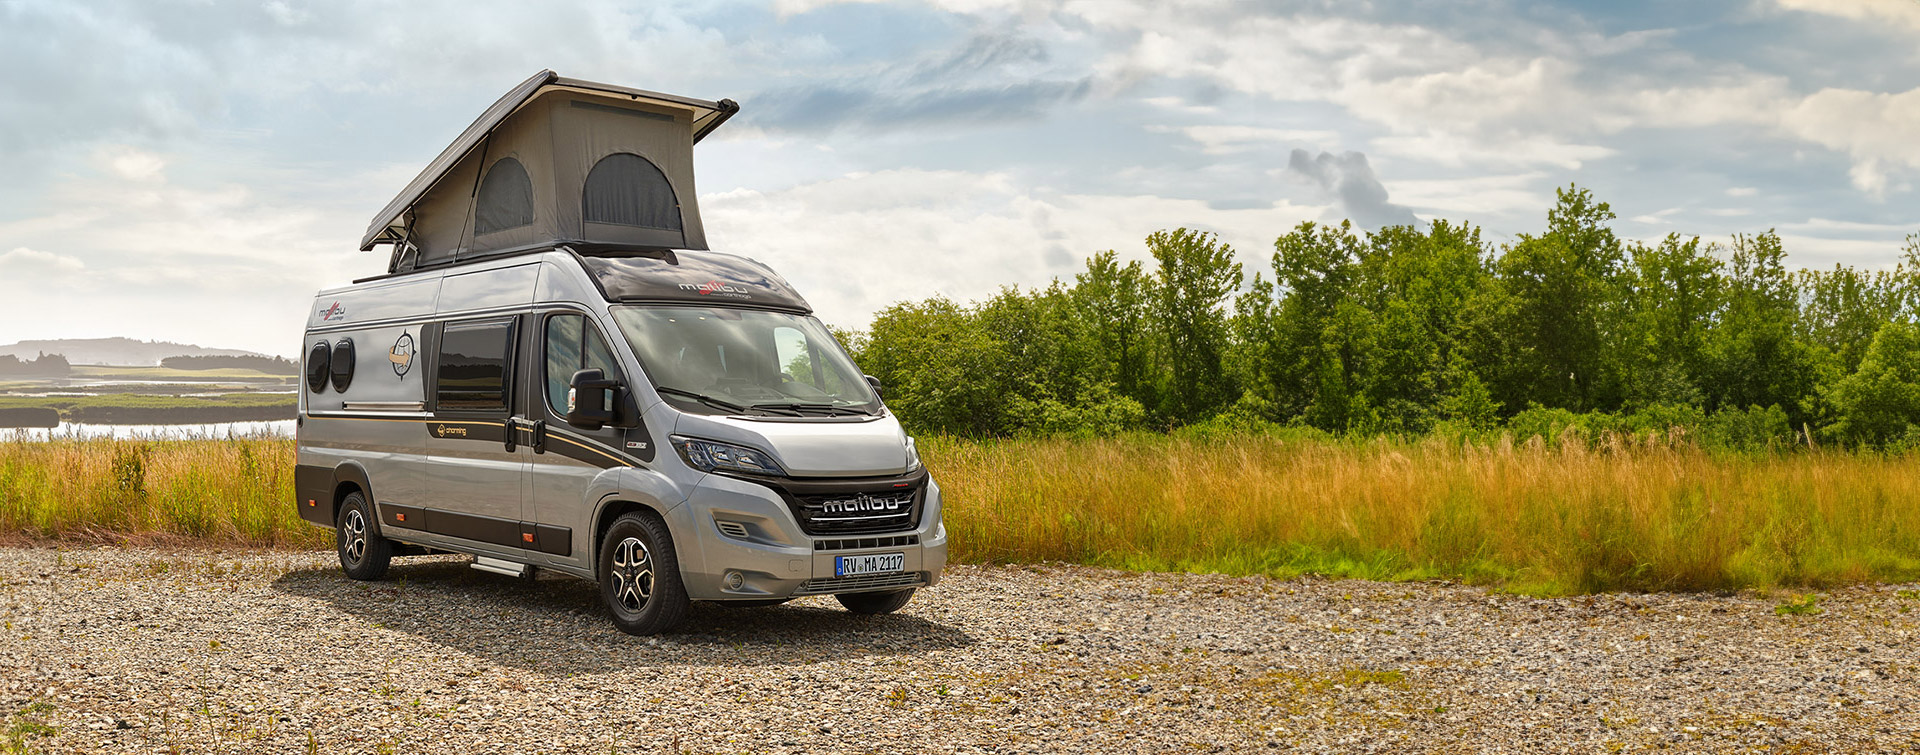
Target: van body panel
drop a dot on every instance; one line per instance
(849, 447)
(498, 288)
(387, 300)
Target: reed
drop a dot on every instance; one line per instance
(1564, 519)
(1568, 518)
(220, 492)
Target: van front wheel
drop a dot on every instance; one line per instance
(640, 576)
(364, 554)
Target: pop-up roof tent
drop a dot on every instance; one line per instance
(557, 160)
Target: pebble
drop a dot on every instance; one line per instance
(205, 651)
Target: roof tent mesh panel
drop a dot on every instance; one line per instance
(627, 189)
(505, 199)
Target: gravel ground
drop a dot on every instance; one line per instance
(137, 650)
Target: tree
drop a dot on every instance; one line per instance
(1115, 300)
(1195, 277)
(1562, 282)
(1880, 402)
(942, 370)
(1671, 293)
(1757, 360)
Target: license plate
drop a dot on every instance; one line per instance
(877, 563)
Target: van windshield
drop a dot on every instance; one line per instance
(718, 360)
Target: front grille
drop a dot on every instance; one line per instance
(866, 542)
(857, 513)
(861, 583)
(846, 507)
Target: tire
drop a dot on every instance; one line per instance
(871, 603)
(761, 603)
(640, 576)
(364, 554)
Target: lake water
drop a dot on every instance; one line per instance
(213, 431)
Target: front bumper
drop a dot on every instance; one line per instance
(773, 558)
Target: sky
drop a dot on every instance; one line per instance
(195, 171)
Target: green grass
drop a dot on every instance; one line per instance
(148, 401)
(134, 409)
(1523, 517)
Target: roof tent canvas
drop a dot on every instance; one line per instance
(556, 160)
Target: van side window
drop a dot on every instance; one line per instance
(573, 345)
(473, 366)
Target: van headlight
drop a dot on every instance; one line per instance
(913, 456)
(714, 456)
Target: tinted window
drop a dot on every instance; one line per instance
(473, 366)
(627, 189)
(572, 346)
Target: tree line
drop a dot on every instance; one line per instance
(268, 365)
(1410, 330)
(44, 365)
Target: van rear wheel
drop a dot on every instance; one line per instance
(875, 602)
(364, 554)
(640, 576)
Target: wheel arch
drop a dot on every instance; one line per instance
(349, 478)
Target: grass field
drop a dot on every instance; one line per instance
(121, 372)
(126, 408)
(1528, 517)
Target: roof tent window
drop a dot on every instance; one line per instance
(505, 199)
(627, 189)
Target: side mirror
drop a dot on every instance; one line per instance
(874, 383)
(588, 399)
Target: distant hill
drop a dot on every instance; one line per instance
(118, 351)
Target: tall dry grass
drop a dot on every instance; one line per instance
(223, 492)
(1535, 519)
(1546, 520)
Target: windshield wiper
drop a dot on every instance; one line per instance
(796, 407)
(702, 398)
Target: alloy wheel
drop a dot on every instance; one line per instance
(355, 531)
(632, 574)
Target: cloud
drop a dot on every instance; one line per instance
(1899, 12)
(23, 261)
(855, 244)
(145, 257)
(1227, 140)
(1349, 181)
(1475, 197)
(829, 107)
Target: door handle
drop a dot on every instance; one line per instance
(536, 427)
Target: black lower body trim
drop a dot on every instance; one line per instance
(313, 493)
(512, 533)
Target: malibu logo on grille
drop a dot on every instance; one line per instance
(865, 504)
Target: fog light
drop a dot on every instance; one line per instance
(736, 580)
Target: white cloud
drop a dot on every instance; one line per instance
(1227, 140)
(855, 244)
(1742, 191)
(23, 261)
(220, 265)
(1900, 12)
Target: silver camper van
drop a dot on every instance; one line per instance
(555, 374)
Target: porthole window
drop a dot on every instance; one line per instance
(317, 366)
(343, 364)
(505, 198)
(627, 189)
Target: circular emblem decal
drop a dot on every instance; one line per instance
(401, 355)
